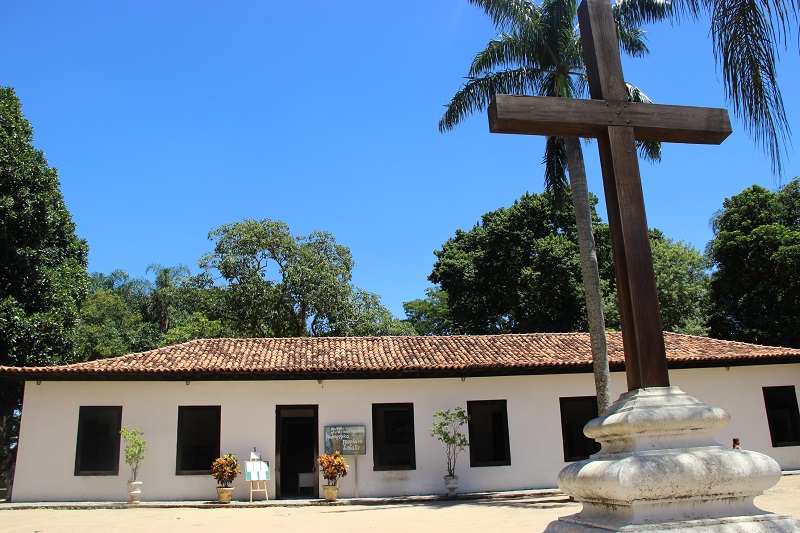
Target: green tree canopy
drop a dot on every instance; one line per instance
(755, 289)
(682, 280)
(430, 315)
(124, 314)
(43, 274)
(110, 326)
(280, 285)
(518, 271)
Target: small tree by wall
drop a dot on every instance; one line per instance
(446, 431)
(135, 446)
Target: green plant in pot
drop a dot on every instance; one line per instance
(446, 431)
(135, 446)
(225, 469)
(332, 466)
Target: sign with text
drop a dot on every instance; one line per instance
(347, 440)
(256, 470)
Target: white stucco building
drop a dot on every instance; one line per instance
(529, 397)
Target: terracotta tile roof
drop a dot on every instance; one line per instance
(307, 358)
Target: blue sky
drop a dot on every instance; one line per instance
(166, 119)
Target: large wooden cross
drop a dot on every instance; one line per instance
(617, 124)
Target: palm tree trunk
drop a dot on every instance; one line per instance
(591, 273)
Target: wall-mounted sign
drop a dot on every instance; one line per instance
(347, 440)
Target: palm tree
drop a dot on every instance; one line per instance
(539, 52)
(163, 295)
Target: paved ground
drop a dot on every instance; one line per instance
(465, 516)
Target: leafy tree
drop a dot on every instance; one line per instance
(518, 271)
(279, 285)
(430, 315)
(682, 280)
(195, 326)
(447, 432)
(755, 290)
(110, 326)
(363, 315)
(43, 274)
(124, 314)
(165, 294)
(540, 53)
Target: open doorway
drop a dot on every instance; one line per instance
(296, 451)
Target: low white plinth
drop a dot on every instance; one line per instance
(660, 469)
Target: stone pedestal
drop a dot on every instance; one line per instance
(659, 469)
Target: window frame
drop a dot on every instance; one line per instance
(474, 462)
(80, 441)
(378, 444)
(794, 416)
(179, 441)
(571, 399)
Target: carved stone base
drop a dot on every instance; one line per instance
(659, 469)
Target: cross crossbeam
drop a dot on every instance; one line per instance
(573, 117)
(617, 124)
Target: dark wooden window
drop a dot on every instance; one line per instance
(198, 438)
(782, 415)
(488, 433)
(393, 436)
(97, 450)
(575, 413)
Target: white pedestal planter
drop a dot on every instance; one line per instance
(659, 470)
(134, 492)
(451, 484)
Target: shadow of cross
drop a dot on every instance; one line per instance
(617, 124)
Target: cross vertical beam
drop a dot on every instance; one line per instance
(617, 124)
(640, 314)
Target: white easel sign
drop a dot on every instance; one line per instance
(256, 470)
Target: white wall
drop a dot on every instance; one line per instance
(738, 390)
(46, 459)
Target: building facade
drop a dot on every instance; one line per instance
(528, 395)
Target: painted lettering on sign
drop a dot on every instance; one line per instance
(347, 440)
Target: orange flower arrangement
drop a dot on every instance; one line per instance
(333, 467)
(225, 469)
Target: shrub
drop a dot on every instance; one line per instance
(135, 446)
(333, 467)
(225, 469)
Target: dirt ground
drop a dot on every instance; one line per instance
(466, 516)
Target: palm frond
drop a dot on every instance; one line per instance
(635, 13)
(744, 43)
(632, 41)
(635, 94)
(510, 51)
(508, 14)
(477, 93)
(558, 21)
(555, 168)
(649, 150)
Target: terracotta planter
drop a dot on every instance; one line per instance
(134, 492)
(224, 494)
(451, 483)
(331, 492)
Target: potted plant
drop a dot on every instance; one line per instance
(333, 467)
(225, 469)
(446, 431)
(135, 446)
